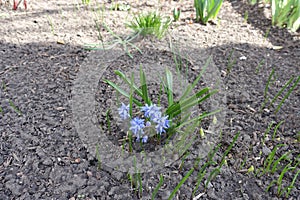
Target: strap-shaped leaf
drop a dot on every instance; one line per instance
(144, 86)
(121, 91)
(178, 106)
(202, 116)
(193, 103)
(169, 86)
(122, 76)
(191, 87)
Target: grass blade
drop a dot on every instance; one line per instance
(180, 183)
(280, 92)
(161, 181)
(122, 76)
(191, 87)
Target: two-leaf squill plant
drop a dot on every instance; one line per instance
(207, 9)
(146, 119)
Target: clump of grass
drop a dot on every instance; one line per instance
(151, 23)
(279, 182)
(210, 162)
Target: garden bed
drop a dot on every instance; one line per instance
(45, 151)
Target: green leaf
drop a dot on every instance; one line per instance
(196, 81)
(202, 116)
(161, 181)
(131, 95)
(169, 86)
(181, 183)
(288, 94)
(188, 104)
(122, 76)
(121, 91)
(144, 87)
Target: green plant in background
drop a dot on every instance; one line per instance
(207, 10)
(118, 40)
(286, 13)
(151, 23)
(50, 22)
(86, 2)
(176, 14)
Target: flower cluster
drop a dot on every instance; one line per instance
(152, 114)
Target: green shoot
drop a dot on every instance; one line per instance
(15, 107)
(260, 64)
(246, 16)
(143, 82)
(50, 22)
(161, 181)
(281, 91)
(276, 128)
(270, 159)
(231, 62)
(267, 131)
(288, 94)
(181, 183)
(267, 88)
(86, 2)
(291, 186)
(118, 40)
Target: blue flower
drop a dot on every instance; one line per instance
(162, 124)
(148, 124)
(124, 111)
(151, 111)
(145, 139)
(137, 126)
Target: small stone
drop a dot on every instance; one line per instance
(47, 162)
(117, 175)
(266, 151)
(89, 173)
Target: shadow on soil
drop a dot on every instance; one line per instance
(258, 19)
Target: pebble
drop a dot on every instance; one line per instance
(266, 151)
